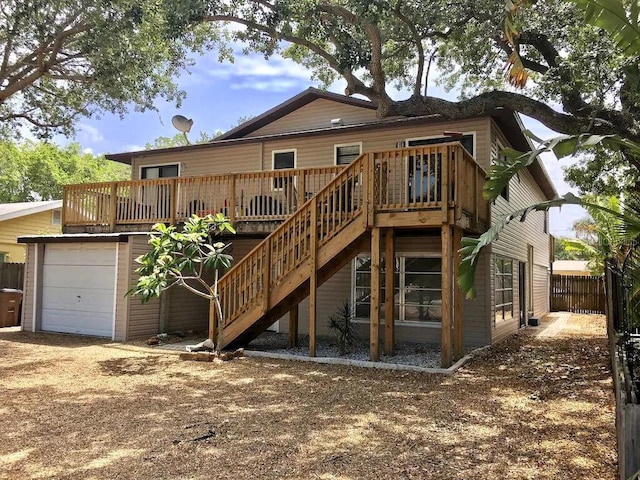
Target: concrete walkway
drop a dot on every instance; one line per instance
(552, 325)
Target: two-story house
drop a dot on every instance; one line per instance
(331, 204)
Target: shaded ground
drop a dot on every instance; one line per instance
(529, 408)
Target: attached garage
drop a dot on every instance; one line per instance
(78, 288)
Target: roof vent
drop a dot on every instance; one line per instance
(336, 122)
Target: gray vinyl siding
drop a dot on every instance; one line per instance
(221, 159)
(188, 311)
(338, 289)
(144, 319)
(312, 151)
(122, 301)
(514, 242)
(317, 114)
(319, 150)
(540, 290)
(28, 290)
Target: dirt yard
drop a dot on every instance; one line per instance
(530, 408)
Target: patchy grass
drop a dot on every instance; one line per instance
(529, 408)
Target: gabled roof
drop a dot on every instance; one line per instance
(290, 105)
(21, 209)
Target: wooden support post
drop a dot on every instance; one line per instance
(369, 189)
(113, 204)
(458, 311)
(302, 189)
(293, 326)
(444, 190)
(374, 316)
(476, 202)
(173, 202)
(266, 276)
(447, 287)
(389, 296)
(313, 277)
(232, 200)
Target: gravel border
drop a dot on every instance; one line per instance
(421, 355)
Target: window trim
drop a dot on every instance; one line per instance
(401, 306)
(495, 290)
(274, 188)
(338, 145)
(473, 133)
(152, 165)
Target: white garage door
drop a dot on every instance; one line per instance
(78, 288)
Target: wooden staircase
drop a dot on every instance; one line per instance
(420, 187)
(318, 240)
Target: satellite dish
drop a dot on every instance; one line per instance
(182, 124)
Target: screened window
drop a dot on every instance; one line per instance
(345, 154)
(159, 171)
(418, 294)
(504, 288)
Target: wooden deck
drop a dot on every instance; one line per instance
(408, 188)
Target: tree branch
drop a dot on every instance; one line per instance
(488, 102)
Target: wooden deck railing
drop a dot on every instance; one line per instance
(405, 179)
(268, 195)
(294, 243)
(419, 178)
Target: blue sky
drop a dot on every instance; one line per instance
(219, 94)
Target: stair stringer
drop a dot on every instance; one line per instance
(331, 258)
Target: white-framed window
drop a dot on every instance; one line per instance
(56, 217)
(346, 153)
(282, 159)
(4, 256)
(418, 288)
(503, 288)
(165, 170)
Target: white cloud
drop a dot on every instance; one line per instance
(89, 134)
(87, 150)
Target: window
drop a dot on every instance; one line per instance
(3, 257)
(281, 160)
(504, 289)
(56, 217)
(159, 171)
(418, 294)
(345, 154)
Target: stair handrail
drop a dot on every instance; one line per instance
(250, 277)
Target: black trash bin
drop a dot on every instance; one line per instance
(10, 300)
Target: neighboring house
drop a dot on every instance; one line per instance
(571, 267)
(26, 218)
(323, 194)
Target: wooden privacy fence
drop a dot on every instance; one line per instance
(11, 275)
(577, 294)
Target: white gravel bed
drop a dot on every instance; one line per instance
(420, 355)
